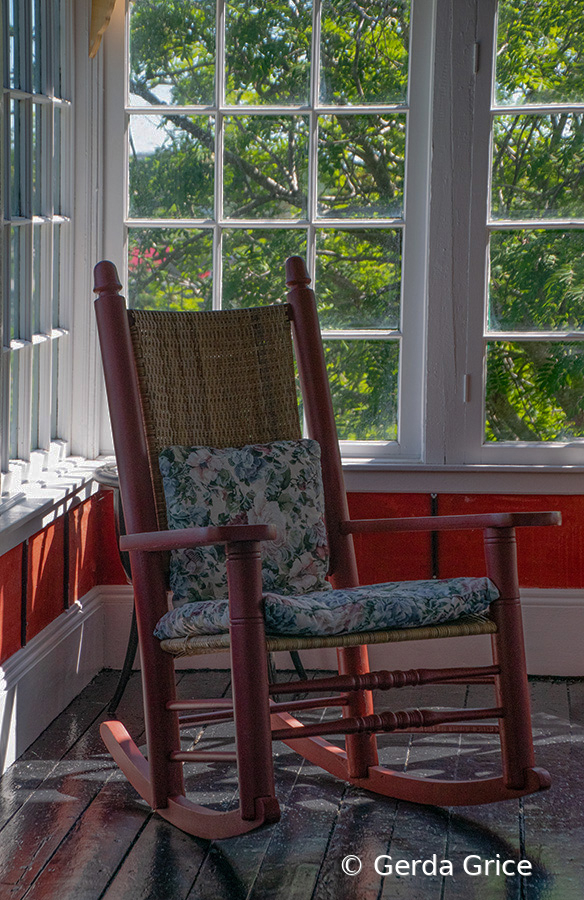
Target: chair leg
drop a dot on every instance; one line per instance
(361, 748)
(249, 667)
(511, 685)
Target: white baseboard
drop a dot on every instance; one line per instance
(553, 624)
(41, 679)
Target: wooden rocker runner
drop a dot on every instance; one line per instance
(203, 407)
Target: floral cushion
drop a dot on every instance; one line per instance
(277, 483)
(400, 604)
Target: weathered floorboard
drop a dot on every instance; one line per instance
(71, 828)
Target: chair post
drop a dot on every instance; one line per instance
(361, 748)
(250, 680)
(511, 685)
(140, 515)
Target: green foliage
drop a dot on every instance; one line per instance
(533, 386)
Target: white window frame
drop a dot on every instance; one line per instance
(40, 484)
(441, 416)
(414, 224)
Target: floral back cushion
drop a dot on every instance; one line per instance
(278, 483)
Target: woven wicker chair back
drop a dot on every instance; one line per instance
(217, 379)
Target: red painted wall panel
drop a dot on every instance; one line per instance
(45, 596)
(93, 552)
(391, 557)
(547, 557)
(10, 602)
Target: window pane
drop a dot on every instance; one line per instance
(540, 52)
(37, 159)
(358, 278)
(16, 153)
(36, 280)
(14, 43)
(364, 51)
(170, 268)
(54, 390)
(171, 166)
(16, 265)
(537, 281)
(34, 430)
(535, 391)
(253, 264)
(37, 48)
(364, 378)
(267, 54)
(56, 318)
(14, 384)
(266, 166)
(56, 163)
(172, 52)
(361, 165)
(538, 166)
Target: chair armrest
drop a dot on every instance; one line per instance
(183, 538)
(451, 523)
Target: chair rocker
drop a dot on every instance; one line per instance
(213, 381)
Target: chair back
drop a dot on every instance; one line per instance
(216, 379)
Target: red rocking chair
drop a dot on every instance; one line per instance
(226, 380)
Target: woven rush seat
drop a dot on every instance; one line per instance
(465, 626)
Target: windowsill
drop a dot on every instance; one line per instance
(36, 504)
(402, 476)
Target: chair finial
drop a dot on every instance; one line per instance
(296, 271)
(105, 278)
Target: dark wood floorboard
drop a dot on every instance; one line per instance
(71, 828)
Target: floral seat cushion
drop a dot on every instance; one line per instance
(278, 483)
(405, 604)
(281, 483)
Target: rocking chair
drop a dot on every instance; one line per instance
(194, 396)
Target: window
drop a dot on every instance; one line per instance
(425, 157)
(259, 130)
(532, 333)
(36, 231)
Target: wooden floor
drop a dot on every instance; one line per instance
(71, 828)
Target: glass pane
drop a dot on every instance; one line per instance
(363, 377)
(14, 43)
(253, 265)
(537, 281)
(170, 268)
(38, 34)
(364, 51)
(14, 385)
(56, 318)
(267, 53)
(15, 282)
(540, 52)
(36, 280)
(171, 166)
(361, 165)
(16, 153)
(266, 166)
(55, 390)
(535, 391)
(56, 163)
(37, 159)
(172, 52)
(358, 278)
(538, 166)
(34, 429)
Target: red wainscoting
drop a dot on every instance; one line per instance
(62, 563)
(10, 602)
(54, 568)
(548, 557)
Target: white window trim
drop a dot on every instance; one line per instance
(438, 450)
